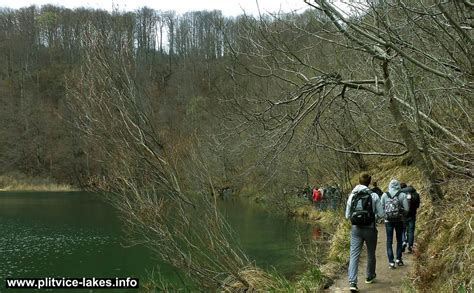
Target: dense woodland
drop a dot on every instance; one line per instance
(206, 101)
(183, 63)
(218, 77)
(178, 61)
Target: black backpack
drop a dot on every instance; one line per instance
(361, 211)
(413, 203)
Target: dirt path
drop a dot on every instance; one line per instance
(388, 280)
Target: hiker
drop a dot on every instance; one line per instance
(323, 199)
(317, 198)
(329, 194)
(395, 206)
(308, 192)
(305, 196)
(362, 209)
(376, 189)
(337, 195)
(404, 231)
(379, 192)
(413, 199)
(330, 198)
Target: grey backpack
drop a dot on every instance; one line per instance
(393, 208)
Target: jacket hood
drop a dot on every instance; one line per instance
(393, 187)
(409, 189)
(358, 188)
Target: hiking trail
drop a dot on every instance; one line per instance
(388, 280)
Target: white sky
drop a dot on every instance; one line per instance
(228, 7)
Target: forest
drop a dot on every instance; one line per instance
(164, 112)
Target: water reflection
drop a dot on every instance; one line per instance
(31, 249)
(76, 234)
(316, 233)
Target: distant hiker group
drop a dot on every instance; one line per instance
(323, 198)
(365, 207)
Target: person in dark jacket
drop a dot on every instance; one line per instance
(414, 203)
(379, 192)
(376, 189)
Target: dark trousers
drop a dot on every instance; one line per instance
(389, 228)
(404, 232)
(410, 231)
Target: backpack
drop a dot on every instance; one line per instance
(413, 203)
(393, 208)
(361, 210)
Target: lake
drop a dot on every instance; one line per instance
(77, 234)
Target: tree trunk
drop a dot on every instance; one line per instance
(360, 163)
(429, 176)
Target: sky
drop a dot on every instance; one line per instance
(228, 7)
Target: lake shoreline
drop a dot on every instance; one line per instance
(20, 182)
(330, 257)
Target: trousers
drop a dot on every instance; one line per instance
(359, 235)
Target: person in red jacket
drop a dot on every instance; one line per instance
(317, 198)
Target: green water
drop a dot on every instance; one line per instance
(77, 234)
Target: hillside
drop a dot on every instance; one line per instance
(165, 113)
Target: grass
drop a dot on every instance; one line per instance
(322, 273)
(20, 182)
(257, 280)
(340, 244)
(313, 280)
(445, 244)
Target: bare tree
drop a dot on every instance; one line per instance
(184, 228)
(384, 65)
